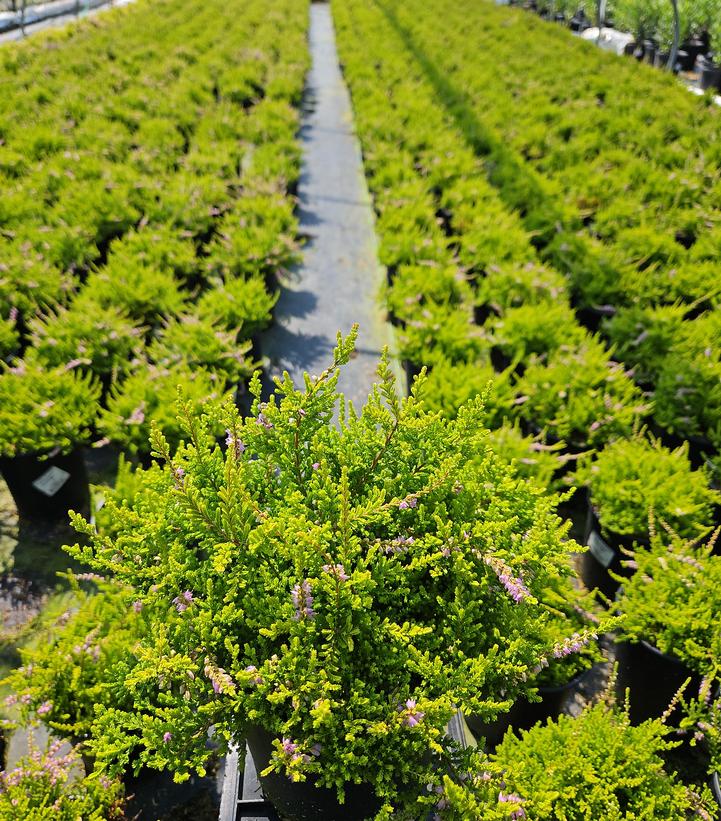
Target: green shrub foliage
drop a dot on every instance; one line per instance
(345, 588)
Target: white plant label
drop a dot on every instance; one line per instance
(51, 481)
(600, 551)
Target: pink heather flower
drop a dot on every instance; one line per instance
(235, 443)
(219, 679)
(572, 645)
(181, 602)
(137, 417)
(337, 570)
(301, 412)
(13, 315)
(25, 699)
(137, 606)
(167, 736)
(263, 420)
(403, 505)
(45, 708)
(178, 474)
(315, 750)
(316, 465)
(11, 700)
(73, 363)
(413, 502)
(515, 587)
(302, 600)
(289, 747)
(251, 668)
(411, 715)
(512, 798)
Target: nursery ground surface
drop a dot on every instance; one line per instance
(339, 279)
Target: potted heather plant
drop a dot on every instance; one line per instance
(530, 457)
(583, 397)
(100, 339)
(670, 631)
(46, 415)
(597, 765)
(331, 594)
(627, 480)
(49, 784)
(150, 394)
(66, 671)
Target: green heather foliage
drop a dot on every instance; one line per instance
(99, 338)
(243, 304)
(530, 457)
(144, 294)
(138, 179)
(42, 409)
(342, 587)
(195, 342)
(687, 398)
(9, 337)
(48, 784)
(536, 329)
(510, 286)
(158, 247)
(642, 337)
(74, 660)
(633, 477)
(597, 766)
(672, 601)
(149, 395)
(580, 395)
(448, 387)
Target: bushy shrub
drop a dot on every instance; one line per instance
(335, 586)
(194, 342)
(42, 409)
(242, 304)
(46, 784)
(530, 457)
(672, 600)
(580, 395)
(74, 659)
(633, 477)
(149, 394)
(97, 338)
(596, 766)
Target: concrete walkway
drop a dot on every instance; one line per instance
(339, 280)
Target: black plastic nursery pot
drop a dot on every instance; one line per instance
(688, 53)
(47, 486)
(303, 801)
(709, 74)
(651, 677)
(716, 788)
(523, 714)
(649, 51)
(603, 556)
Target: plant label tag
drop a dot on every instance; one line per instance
(600, 551)
(51, 481)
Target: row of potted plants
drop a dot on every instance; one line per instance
(433, 203)
(177, 298)
(603, 187)
(494, 249)
(652, 25)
